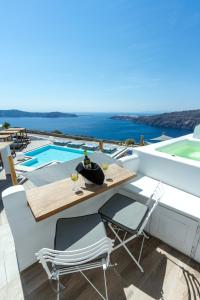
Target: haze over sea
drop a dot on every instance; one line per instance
(98, 125)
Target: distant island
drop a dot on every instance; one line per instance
(15, 113)
(179, 119)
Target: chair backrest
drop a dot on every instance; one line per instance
(152, 203)
(76, 257)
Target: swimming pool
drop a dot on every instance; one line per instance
(50, 153)
(185, 148)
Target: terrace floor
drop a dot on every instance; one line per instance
(169, 275)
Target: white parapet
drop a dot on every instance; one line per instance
(4, 154)
(130, 162)
(176, 171)
(30, 236)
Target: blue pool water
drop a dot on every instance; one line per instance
(49, 153)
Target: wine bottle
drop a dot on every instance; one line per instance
(87, 161)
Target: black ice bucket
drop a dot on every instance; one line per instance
(93, 175)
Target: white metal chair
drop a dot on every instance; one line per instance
(86, 247)
(125, 214)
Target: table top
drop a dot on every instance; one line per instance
(52, 198)
(9, 131)
(3, 145)
(16, 128)
(5, 136)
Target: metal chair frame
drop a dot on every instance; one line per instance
(152, 204)
(77, 261)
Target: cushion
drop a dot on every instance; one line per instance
(124, 212)
(79, 232)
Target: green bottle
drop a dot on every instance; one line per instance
(87, 161)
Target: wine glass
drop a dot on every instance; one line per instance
(74, 178)
(105, 167)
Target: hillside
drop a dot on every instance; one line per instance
(180, 119)
(14, 113)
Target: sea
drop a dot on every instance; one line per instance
(97, 125)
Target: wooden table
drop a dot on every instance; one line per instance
(47, 200)
(21, 130)
(16, 128)
(17, 132)
(9, 131)
(5, 137)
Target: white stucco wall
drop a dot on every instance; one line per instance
(4, 154)
(29, 235)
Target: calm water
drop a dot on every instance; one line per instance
(51, 153)
(95, 125)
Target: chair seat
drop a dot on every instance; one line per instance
(78, 232)
(124, 212)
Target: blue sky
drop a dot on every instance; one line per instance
(100, 55)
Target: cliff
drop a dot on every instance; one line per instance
(180, 119)
(14, 113)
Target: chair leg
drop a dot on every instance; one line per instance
(141, 248)
(58, 289)
(105, 283)
(146, 236)
(123, 243)
(94, 287)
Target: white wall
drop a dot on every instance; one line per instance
(29, 235)
(4, 154)
(177, 174)
(131, 162)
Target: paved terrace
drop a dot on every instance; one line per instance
(168, 274)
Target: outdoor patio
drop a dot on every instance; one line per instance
(168, 273)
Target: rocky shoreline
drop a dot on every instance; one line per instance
(15, 113)
(179, 120)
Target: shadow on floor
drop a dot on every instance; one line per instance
(193, 285)
(123, 281)
(154, 264)
(190, 272)
(36, 285)
(162, 265)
